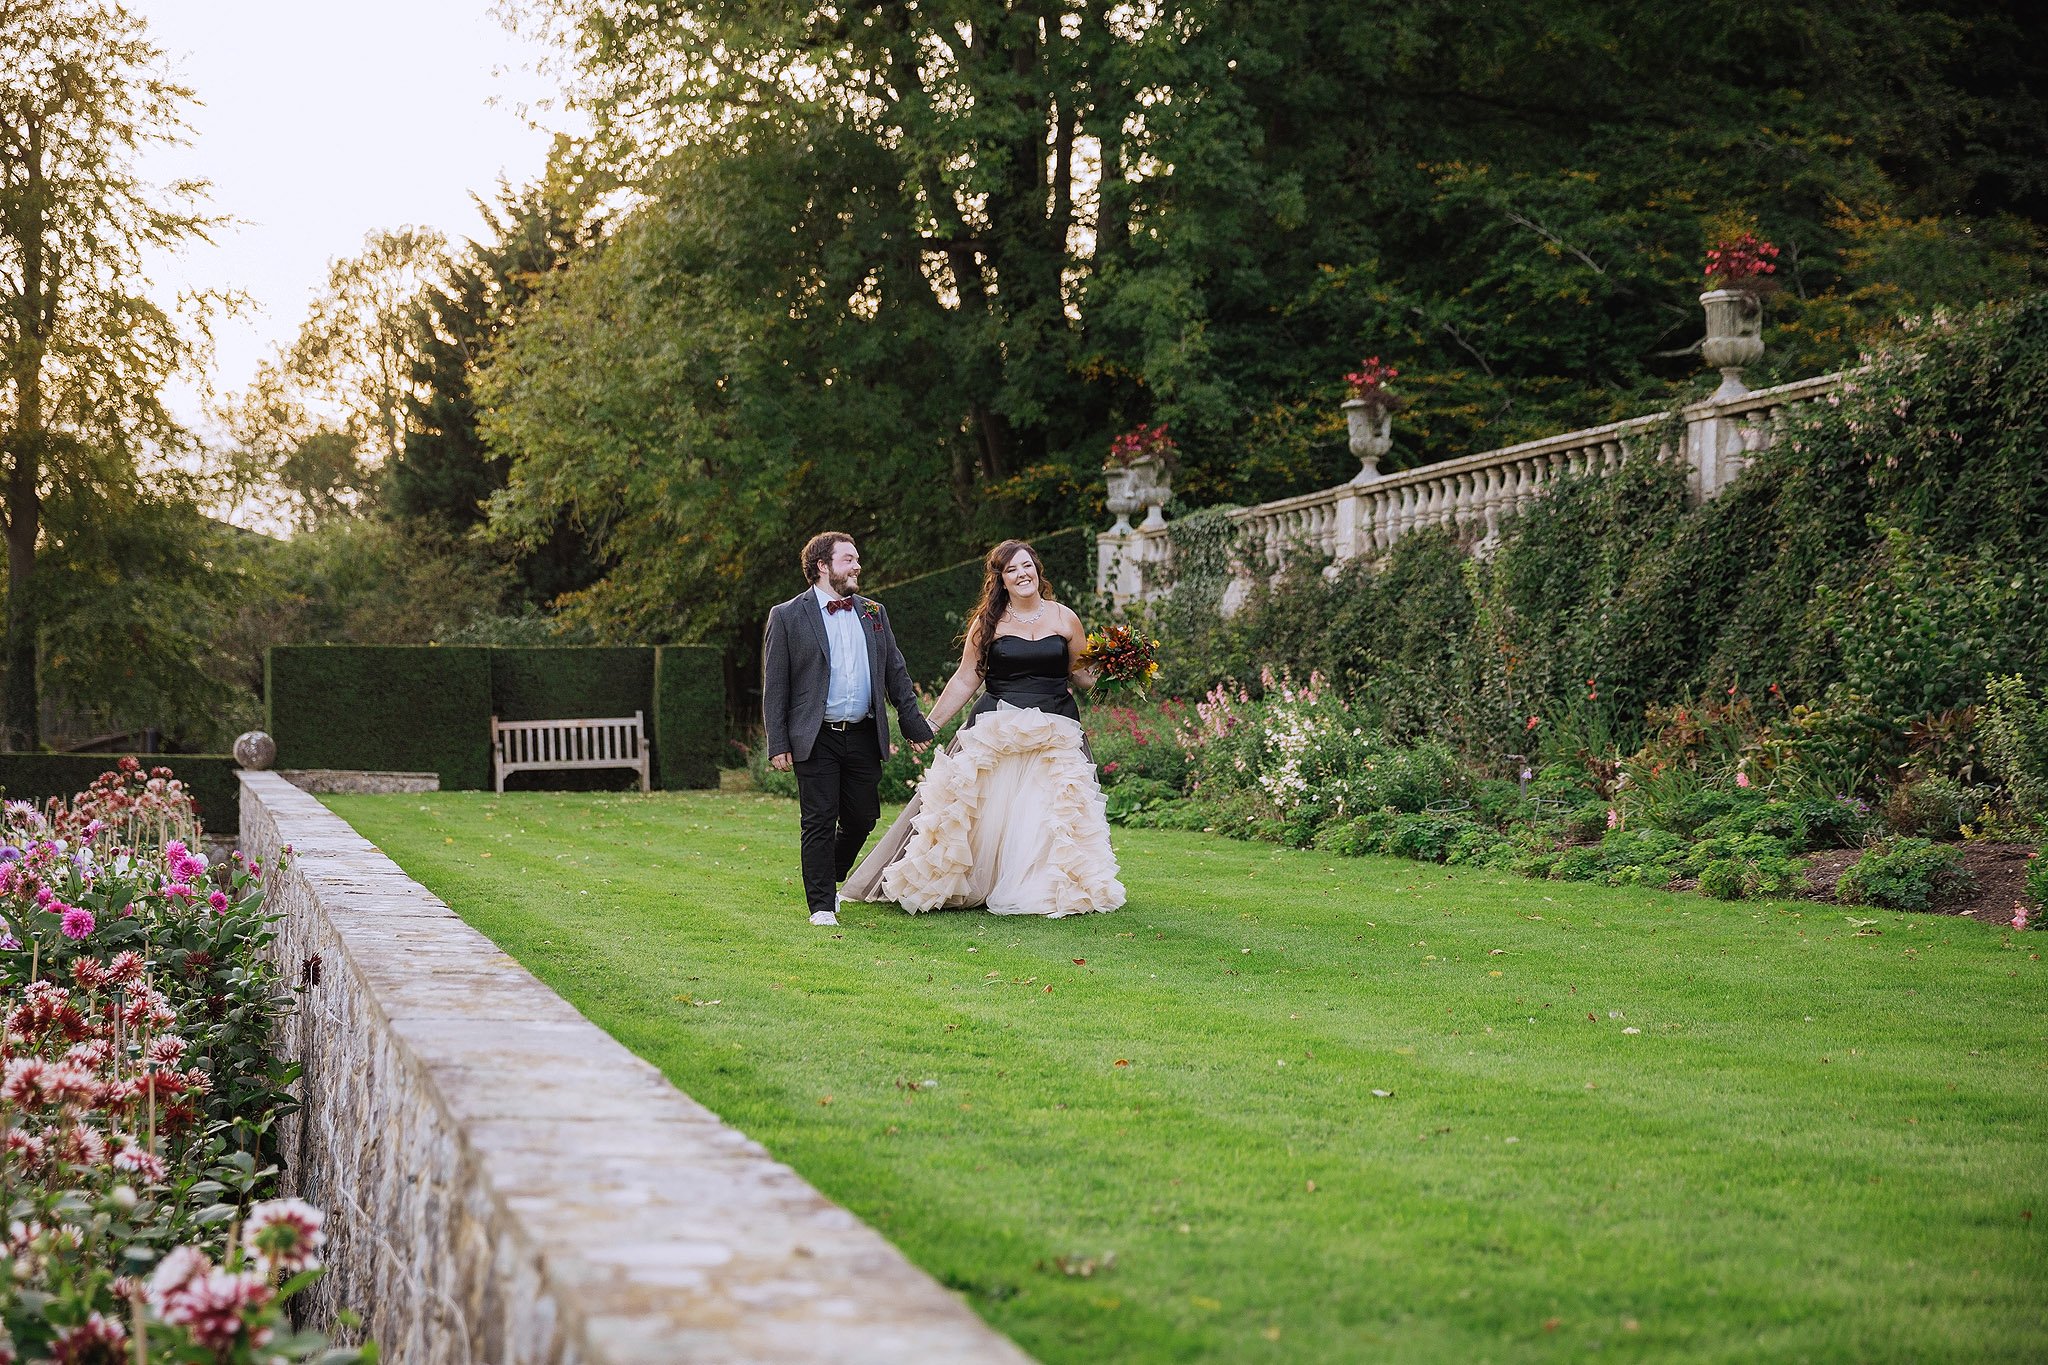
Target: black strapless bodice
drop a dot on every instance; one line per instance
(1029, 673)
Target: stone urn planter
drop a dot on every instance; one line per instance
(1735, 322)
(1372, 435)
(1123, 499)
(1145, 482)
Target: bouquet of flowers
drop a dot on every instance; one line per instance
(1121, 658)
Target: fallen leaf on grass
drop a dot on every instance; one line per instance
(1311, 1187)
(1552, 1324)
(1270, 1333)
(1631, 1029)
(1080, 962)
(824, 1100)
(1121, 1061)
(1200, 1301)
(1383, 1094)
(1496, 952)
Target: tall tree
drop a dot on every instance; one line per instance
(904, 267)
(83, 350)
(358, 347)
(445, 473)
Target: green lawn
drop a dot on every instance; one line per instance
(1652, 1125)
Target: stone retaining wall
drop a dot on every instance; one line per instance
(505, 1183)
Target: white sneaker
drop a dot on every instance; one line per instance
(825, 917)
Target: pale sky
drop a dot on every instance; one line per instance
(319, 122)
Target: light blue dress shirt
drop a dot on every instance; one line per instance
(850, 695)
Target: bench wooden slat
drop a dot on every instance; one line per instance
(604, 742)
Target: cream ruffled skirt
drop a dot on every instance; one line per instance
(1010, 817)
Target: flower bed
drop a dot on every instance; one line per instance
(1717, 800)
(141, 1094)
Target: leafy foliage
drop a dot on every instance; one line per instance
(1906, 874)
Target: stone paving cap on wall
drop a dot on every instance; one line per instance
(505, 1182)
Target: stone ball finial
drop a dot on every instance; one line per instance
(255, 750)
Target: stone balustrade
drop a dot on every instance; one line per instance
(505, 1184)
(1470, 496)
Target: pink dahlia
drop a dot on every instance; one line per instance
(99, 1340)
(78, 922)
(285, 1235)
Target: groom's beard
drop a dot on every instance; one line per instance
(842, 587)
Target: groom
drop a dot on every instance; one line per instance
(829, 661)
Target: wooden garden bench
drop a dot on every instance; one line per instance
(552, 745)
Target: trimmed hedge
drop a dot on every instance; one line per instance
(689, 715)
(428, 708)
(405, 708)
(210, 778)
(570, 683)
(927, 613)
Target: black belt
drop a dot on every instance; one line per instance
(867, 719)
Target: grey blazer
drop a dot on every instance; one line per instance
(796, 669)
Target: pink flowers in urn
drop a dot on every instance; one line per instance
(1368, 383)
(1744, 262)
(1143, 443)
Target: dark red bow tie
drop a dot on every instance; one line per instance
(839, 604)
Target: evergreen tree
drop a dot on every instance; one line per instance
(446, 475)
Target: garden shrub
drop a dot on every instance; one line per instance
(1578, 865)
(1935, 807)
(1640, 857)
(1906, 874)
(1801, 823)
(2037, 876)
(1427, 838)
(1723, 879)
(2015, 726)
(1361, 836)
(1134, 795)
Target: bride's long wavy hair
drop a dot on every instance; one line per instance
(995, 596)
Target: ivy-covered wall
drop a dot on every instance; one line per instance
(1869, 572)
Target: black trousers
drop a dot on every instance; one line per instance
(839, 798)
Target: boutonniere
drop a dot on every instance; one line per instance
(873, 613)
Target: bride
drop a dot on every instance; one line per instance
(1010, 816)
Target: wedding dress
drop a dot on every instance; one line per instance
(1010, 816)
